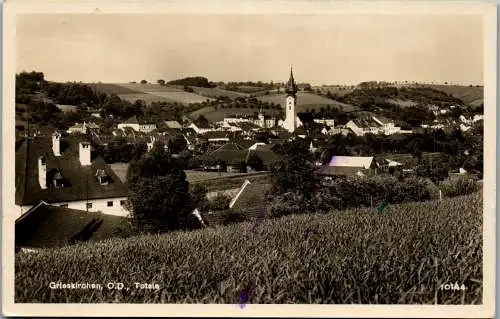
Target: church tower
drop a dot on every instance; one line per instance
(290, 122)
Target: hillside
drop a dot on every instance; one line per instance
(468, 94)
(399, 256)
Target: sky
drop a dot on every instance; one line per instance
(323, 49)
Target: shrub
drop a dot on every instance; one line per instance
(220, 202)
(457, 186)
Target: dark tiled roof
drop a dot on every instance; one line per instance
(216, 134)
(245, 144)
(132, 120)
(366, 122)
(231, 147)
(81, 180)
(47, 226)
(253, 196)
(268, 157)
(229, 156)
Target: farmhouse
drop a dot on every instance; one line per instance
(201, 128)
(235, 156)
(373, 125)
(84, 128)
(348, 165)
(64, 173)
(136, 125)
(48, 226)
(174, 125)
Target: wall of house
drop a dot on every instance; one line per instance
(97, 205)
(135, 127)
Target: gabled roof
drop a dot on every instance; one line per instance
(81, 180)
(230, 147)
(351, 161)
(245, 144)
(365, 122)
(132, 120)
(46, 226)
(268, 157)
(173, 124)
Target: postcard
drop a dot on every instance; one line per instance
(249, 158)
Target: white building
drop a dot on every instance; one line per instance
(67, 177)
(136, 125)
(291, 120)
(83, 128)
(372, 125)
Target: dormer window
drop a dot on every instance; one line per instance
(58, 180)
(102, 177)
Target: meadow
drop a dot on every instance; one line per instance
(468, 94)
(399, 256)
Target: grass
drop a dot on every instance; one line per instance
(400, 256)
(146, 97)
(216, 92)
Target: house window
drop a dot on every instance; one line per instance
(122, 202)
(110, 204)
(89, 205)
(64, 205)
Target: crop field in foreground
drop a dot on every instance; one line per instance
(401, 255)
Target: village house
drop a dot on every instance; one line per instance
(50, 226)
(372, 125)
(136, 125)
(63, 172)
(348, 165)
(83, 128)
(202, 128)
(174, 125)
(262, 120)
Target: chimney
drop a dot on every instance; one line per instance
(42, 172)
(56, 143)
(84, 153)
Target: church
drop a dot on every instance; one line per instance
(291, 121)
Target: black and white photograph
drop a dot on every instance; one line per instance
(249, 158)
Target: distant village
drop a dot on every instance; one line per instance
(65, 170)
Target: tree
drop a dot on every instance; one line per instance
(177, 144)
(160, 203)
(159, 192)
(255, 162)
(144, 82)
(295, 175)
(161, 82)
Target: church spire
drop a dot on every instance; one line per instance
(291, 87)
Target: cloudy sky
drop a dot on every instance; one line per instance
(323, 49)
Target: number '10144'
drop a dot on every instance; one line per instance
(454, 286)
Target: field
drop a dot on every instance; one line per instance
(469, 94)
(216, 92)
(148, 98)
(307, 101)
(213, 115)
(399, 256)
(110, 88)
